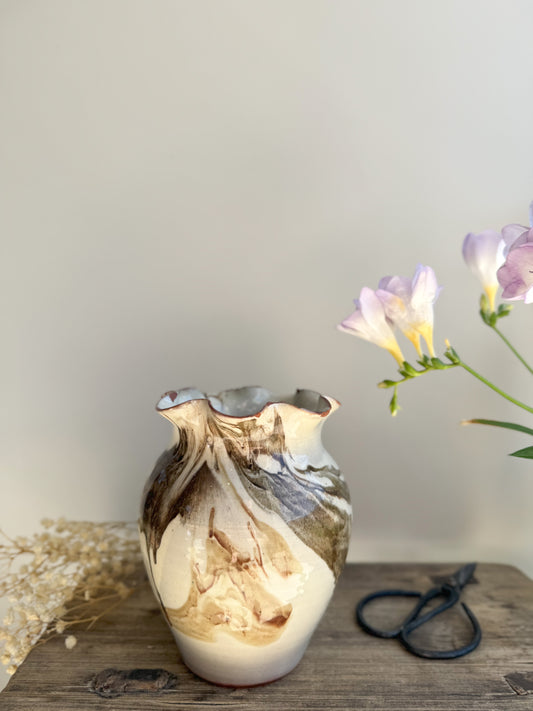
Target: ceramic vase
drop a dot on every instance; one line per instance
(245, 523)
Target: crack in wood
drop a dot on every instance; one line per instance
(521, 684)
(111, 683)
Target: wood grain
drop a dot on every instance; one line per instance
(343, 668)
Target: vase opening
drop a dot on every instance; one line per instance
(248, 401)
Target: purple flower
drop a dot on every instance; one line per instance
(369, 322)
(484, 254)
(516, 275)
(409, 303)
(511, 235)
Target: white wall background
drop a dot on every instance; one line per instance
(193, 193)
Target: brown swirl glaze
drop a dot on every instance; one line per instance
(183, 481)
(311, 511)
(231, 595)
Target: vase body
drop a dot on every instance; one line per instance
(245, 523)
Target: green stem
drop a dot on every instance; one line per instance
(408, 372)
(512, 348)
(430, 364)
(493, 387)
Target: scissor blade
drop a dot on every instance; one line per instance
(462, 576)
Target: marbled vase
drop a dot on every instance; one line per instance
(245, 524)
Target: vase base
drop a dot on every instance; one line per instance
(248, 668)
(241, 684)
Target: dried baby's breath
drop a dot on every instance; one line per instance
(71, 641)
(71, 574)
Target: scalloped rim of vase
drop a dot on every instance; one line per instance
(224, 403)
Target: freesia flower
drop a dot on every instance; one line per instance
(369, 322)
(409, 303)
(484, 254)
(516, 275)
(511, 234)
(496, 258)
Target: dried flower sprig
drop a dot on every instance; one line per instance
(72, 573)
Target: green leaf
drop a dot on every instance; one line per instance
(393, 405)
(408, 370)
(526, 453)
(438, 364)
(498, 423)
(484, 306)
(485, 316)
(504, 310)
(386, 384)
(452, 355)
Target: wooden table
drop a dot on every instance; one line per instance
(343, 668)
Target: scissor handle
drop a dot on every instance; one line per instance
(440, 654)
(414, 620)
(386, 634)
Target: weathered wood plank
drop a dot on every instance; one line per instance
(344, 668)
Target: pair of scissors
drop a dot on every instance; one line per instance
(450, 591)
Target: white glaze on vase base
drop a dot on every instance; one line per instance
(234, 664)
(262, 656)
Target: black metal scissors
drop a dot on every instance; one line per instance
(450, 590)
